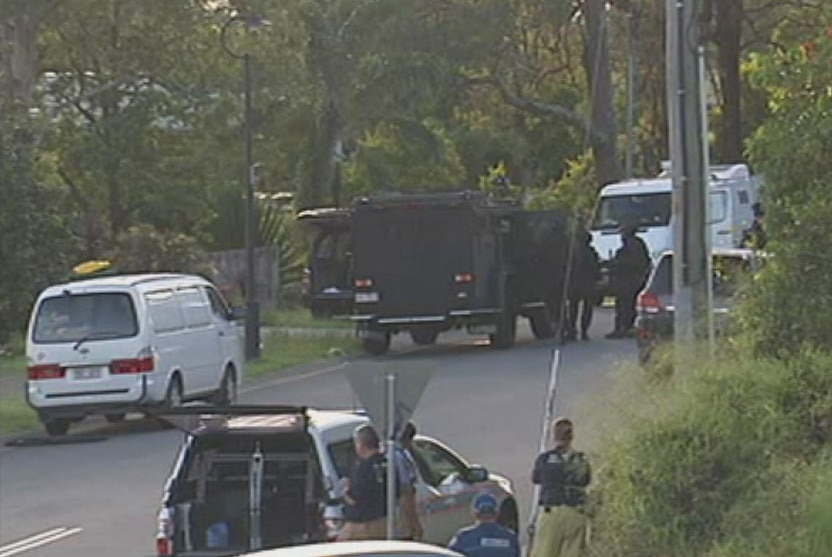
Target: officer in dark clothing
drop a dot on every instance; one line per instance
(630, 267)
(366, 493)
(755, 237)
(486, 538)
(561, 529)
(585, 272)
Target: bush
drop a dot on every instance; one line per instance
(720, 443)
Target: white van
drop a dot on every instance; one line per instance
(648, 203)
(105, 345)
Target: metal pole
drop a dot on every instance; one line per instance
(689, 171)
(390, 430)
(628, 171)
(252, 326)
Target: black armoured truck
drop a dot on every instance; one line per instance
(327, 284)
(426, 264)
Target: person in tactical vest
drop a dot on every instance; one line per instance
(585, 271)
(486, 538)
(630, 267)
(365, 510)
(561, 530)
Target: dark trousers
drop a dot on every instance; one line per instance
(586, 304)
(625, 309)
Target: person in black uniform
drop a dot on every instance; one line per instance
(630, 268)
(366, 492)
(561, 529)
(583, 278)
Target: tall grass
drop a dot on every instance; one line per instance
(722, 460)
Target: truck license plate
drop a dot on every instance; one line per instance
(366, 297)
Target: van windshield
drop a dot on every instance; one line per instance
(75, 317)
(644, 210)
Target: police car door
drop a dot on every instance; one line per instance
(443, 497)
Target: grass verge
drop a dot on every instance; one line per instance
(12, 367)
(282, 351)
(16, 416)
(302, 319)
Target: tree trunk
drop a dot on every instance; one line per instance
(728, 35)
(602, 113)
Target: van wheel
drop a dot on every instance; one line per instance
(56, 427)
(227, 394)
(115, 417)
(174, 398)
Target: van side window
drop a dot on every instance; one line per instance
(164, 311)
(195, 307)
(742, 196)
(218, 304)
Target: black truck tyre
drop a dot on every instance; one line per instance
(542, 323)
(377, 346)
(424, 337)
(56, 427)
(506, 331)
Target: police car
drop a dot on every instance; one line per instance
(249, 478)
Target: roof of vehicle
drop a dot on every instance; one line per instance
(356, 549)
(739, 253)
(122, 281)
(638, 186)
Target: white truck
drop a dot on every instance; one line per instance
(648, 203)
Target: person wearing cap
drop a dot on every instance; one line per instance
(561, 530)
(630, 267)
(486, 538)
(410, 527)
(365, 495)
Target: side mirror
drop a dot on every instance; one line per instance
(476, 474)
(238, 313)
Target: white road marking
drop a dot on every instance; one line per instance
(38, 540)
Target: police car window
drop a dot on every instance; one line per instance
(343, 457)
(436, 463)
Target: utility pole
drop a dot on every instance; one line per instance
(632, 57)
(689, 169)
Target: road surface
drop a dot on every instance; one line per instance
(101, 498)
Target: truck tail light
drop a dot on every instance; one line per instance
(464, 278)
(363, 283)
(164, 546)
(45, 371)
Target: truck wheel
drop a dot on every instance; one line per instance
(543, 326)
(56, 427)
(376, 346)
(423, 337)
(506, 331)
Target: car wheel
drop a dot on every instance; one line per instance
(56, 427)
(174, 397)
(227, 393)
(115, 417)
(506, 331)
(508, 515)
(542, 323)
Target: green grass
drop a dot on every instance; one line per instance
(16, 416)
(282, 351)
(301, 318)
(13, 366)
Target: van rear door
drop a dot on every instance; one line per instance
(85, 349)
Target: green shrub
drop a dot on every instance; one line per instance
(681, 478)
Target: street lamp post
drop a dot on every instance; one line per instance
(252, 319)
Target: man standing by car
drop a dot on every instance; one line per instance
(585, 271)
(561, 529)
(486, 538)
(630, 267)
(410, 527)
(365, 494)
